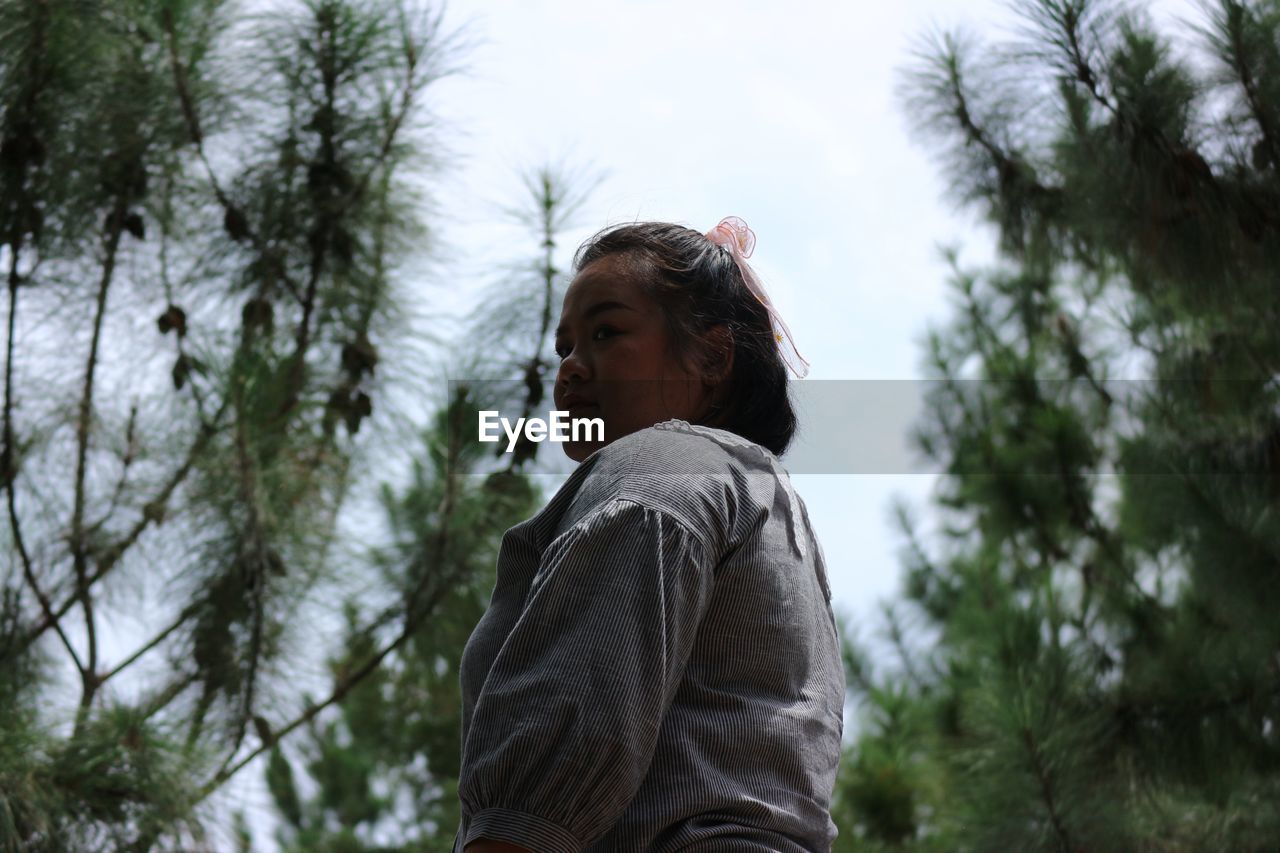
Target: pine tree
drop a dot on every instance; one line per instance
(514, 322)
(1094, 660)
(204, 216)
(385, 773)
(387, 767)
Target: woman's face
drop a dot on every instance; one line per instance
(616, 362)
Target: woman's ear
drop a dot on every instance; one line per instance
(718, 348)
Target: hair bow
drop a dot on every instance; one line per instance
(733, 234)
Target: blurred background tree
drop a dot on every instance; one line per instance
(385, 773)
(206, 218)
(1089, 652)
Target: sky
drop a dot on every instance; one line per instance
(696, 111)
(783, 114)
(786, 115)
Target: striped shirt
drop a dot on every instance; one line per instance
(658, 668)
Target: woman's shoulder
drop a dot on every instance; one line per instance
(676, 456)
(707, 478)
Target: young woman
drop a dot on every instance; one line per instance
(658, 668)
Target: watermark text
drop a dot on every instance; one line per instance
(559, 428)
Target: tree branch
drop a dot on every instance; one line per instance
(340, 691)
(1240, 65)
(414, 611)
(1079, 62)
(9, 465)
(79, 555)
(255, 563)
(113, 503)
(393, 128)
(321, 232)
(230, 210)
(1045, 782)
(150, 644)
(152, 513)
(168, 694)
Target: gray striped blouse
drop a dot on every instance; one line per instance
(658, 668)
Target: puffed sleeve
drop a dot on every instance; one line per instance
(564, 727)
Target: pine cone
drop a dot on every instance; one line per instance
(173, 318)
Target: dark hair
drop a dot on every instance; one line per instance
(698, 286)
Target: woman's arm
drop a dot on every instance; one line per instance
(565, 726)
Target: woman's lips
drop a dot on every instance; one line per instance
(573, 401)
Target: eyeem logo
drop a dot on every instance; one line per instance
(560, 428)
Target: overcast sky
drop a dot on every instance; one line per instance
(781, 113)
(702, 110)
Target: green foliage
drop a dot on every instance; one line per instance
(386, 767)
(399, 729)
(204, 215)
(116, 781)
(1096, 664)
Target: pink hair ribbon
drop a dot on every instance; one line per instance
(733, 234)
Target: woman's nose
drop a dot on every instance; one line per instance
(573, 370)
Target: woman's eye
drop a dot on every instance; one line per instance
(600, 334)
